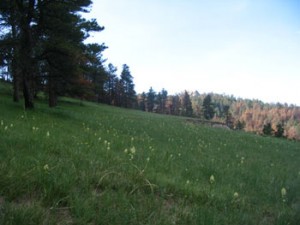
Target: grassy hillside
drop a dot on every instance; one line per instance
(95, 164)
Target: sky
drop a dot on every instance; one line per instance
(245, 48)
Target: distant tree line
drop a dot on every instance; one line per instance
(278, 120)
(160, 102)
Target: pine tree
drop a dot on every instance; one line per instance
(239, 125)
(9, 46)
(63, 31)
(46, 44)
(151, 96)
(175, 105)
(142, 101)
(187, 109)
(161, 100)
(128, 94)
(110, 84)
(94, 71)
(279, 130)
(268, 130)
(208, 110)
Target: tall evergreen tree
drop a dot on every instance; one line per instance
(110, 84)
(162, 99)
(94, 71)
(175, 105)
(151, 96)
(128, 92)
(208, 110)
(63, 31)
(47, 34)
(9, 46)
(187, 109)
(142, 101)
(279, 130)
(268, 130)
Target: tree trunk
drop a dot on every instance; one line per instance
(28, 98)
(52, 98)
(52, 92)
(16, 80)
(25, 57)
(15, 70)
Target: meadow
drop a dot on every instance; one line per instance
(86, 163)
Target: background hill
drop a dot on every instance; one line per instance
(237, 113)
(85, 163)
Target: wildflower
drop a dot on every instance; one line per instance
(242, 160)
(283, 192)
(2, 123)
(126, 151)
(46, 167)
(132, 150)
(6, 127)
(11, 125)
(48, 134)
(212, 179)
(236, 195)
(148, 159)
(132, 139)
(188, 182)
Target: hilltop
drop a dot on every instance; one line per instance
(86, 163)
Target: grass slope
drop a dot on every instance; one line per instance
(95, 164)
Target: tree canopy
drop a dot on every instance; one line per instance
(44, 45)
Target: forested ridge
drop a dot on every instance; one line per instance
(236, 113)
(43, 50)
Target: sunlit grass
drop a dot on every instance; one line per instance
(82, 163)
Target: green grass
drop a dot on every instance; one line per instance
(83, 163)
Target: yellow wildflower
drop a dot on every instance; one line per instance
(46, 167)
(236, 195)
(132, 150)
(212, 179)
(283, 192)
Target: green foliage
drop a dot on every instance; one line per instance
(127, 92)
(187, 109)
(240, 125)
(46, 46)
(268, 130)
(81, 163)
(150, 99)
(208, 110)
(279, 130)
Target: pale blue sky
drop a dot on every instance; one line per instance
(247, 48)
